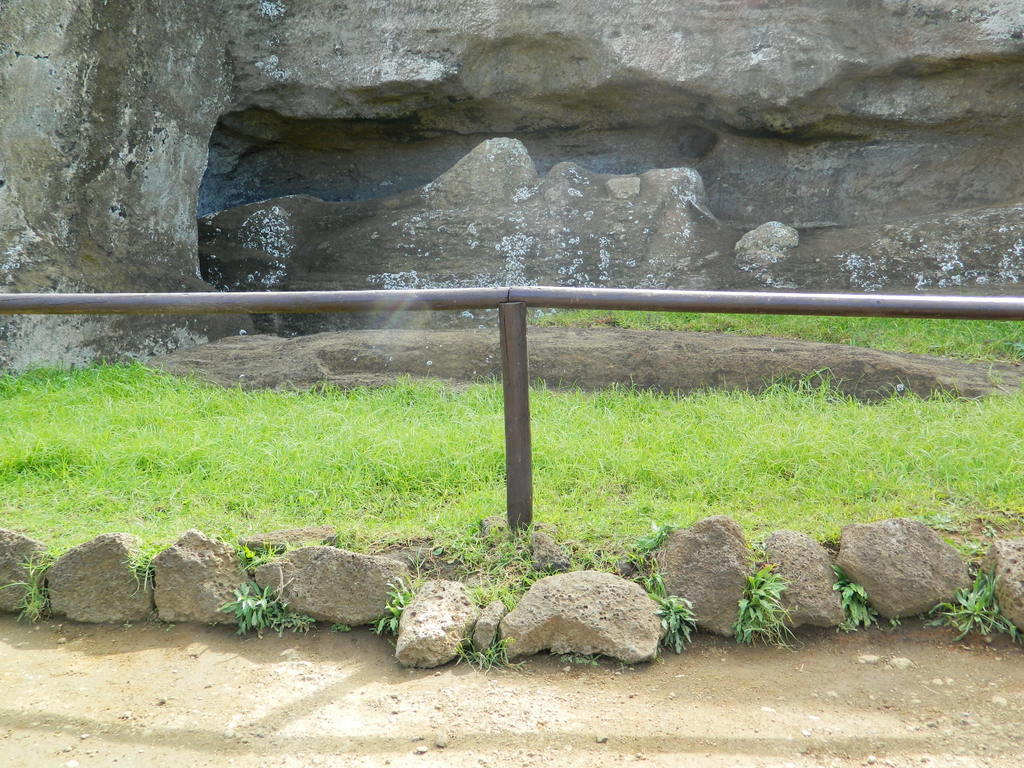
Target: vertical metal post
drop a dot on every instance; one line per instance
(515, 377)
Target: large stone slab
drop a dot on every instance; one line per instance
(1005, 560)
(819, 115)
(489, 220)
(807, 567)
(905, 567)
(195, 578)
(97, 582)
(334, 585)
(16, 551)
(708, 564)
(584, 612)
(589, 358)
(438, 620)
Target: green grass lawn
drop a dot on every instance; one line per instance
(123, 448)
(968, 339)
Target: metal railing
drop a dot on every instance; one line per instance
(512, 303)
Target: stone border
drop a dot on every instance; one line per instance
(904, 566)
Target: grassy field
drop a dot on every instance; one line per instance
(123, 448)
(967, 339)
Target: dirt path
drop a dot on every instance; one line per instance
(193, 696)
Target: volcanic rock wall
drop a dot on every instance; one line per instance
(873, 127)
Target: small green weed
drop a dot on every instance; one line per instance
(653, 583)
(398, 600)
(651, 541)
(975, 609)
(495, 656)
(761, 615)
(258, 608)
(676, 614)
(253, 558)
(856, 605)
(340, 628)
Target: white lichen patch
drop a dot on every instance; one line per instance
(515, 248)
(271, 67)
(866, 272)
(268, 230)
(272, 9)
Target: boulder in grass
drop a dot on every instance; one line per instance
(438, 620)
(1005, 561)
(279, 541)
(97, 582)
(485, 632)
(195, 578)
(807, 569)
(707, 564)
(585, 612)
(904, 566)
(546, 554)
(330, 584)
(16, 551)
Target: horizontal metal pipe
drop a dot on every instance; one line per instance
(832, 304)
(258, 303)
(849, 304)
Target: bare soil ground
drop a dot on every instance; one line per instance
(197, 696)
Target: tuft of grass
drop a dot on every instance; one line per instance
(761, 615)
(493, 657)
(975, 609)
(967, 339)
(399, 599)
(677, 621)
(856, 604)
(35, 600)
(339, 627)
(142, 566)
(257, 609)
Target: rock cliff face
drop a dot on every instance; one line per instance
(873, 127)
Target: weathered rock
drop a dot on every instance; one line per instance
(546, 553)
(435, 624)
(104, 119)
(760, 249)
(589, 358)
(584, 612)
(567, 228)
(905, 567)
(708, 564)
(16, 551)
(485, 632)
(286, 538)
(195, 578)
(815, 113)
(332, 584)
(1005, 560)
(493, 525)
(974, 251)
(807, 567)
(97, 582)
